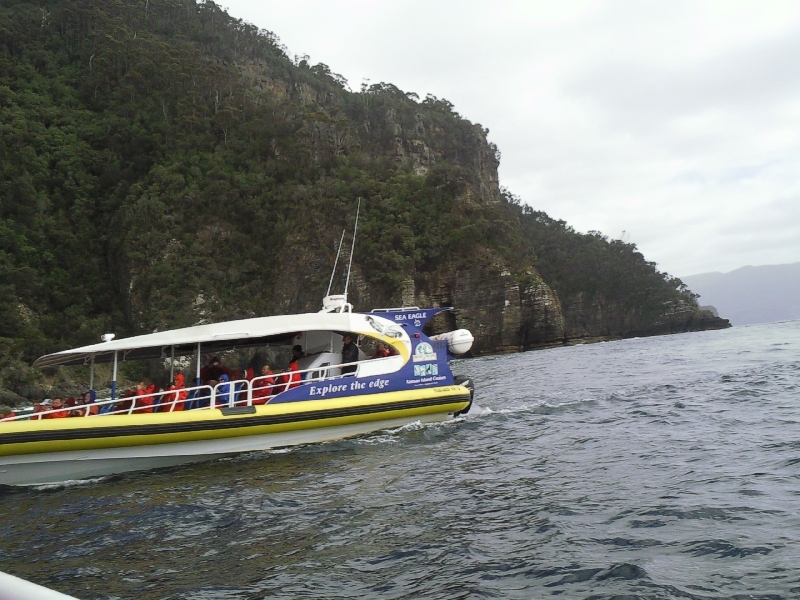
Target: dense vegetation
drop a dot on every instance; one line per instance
(162, 162)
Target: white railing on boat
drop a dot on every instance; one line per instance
(237, 393)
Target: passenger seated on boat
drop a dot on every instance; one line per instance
(213, 370)
(263, 387)
(37, 408)
(74, 406)
(234, 375)
(144, 397)
(177, 398)
(158, 394)
(241, 388)
(58, 410)
(383, 351)
(89, 401)
(349, 354)
(81, 407)
(224, 395)
(292, 378)
(124, 405)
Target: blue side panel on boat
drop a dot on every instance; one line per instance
(413, 319)
(427, 367)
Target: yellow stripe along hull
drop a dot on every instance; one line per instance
(204, 432)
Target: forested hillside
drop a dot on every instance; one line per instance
(164, 164)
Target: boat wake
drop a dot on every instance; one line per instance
(540, 407)
(478, 411)
(70, 483)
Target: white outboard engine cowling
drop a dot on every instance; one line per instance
(458, 341)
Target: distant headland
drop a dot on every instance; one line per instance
(750, 295)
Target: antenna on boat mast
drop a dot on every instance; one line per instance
(352, 248)
(336, 262)
(338, 303)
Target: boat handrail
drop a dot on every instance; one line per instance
(136, 404)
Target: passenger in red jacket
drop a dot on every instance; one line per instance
(180, 394)
(37, 408)
(74, 407)
(58, 408)
(264, 386)
(381, 351)
(144, 397)
(292, 378)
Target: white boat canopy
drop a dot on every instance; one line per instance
(214, 338)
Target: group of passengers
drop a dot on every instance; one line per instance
(59, 408)
(229, 385)
(147, 397)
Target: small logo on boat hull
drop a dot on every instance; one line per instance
(426, 370)
(424, 353)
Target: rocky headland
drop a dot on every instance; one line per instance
(164, 164)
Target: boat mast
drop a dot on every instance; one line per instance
(336, 262)
(352, 249)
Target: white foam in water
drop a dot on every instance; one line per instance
(413, 426)
(68, 484)
(286, 450)
(478, 411)
(392, 436)
(528, 407)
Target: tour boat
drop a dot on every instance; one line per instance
(323, 399)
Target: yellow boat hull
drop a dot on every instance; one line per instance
(35, 452)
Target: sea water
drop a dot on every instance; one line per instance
(664, 467)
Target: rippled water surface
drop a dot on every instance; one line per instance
(648, 468)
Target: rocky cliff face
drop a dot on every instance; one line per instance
(508, 315)
(504, 312)
(510, 308)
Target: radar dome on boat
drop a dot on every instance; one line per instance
(458, 341)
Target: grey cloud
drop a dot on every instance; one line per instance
(603, 115)
(728, 176)
(767, 73)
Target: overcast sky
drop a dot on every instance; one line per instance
(676, 122)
